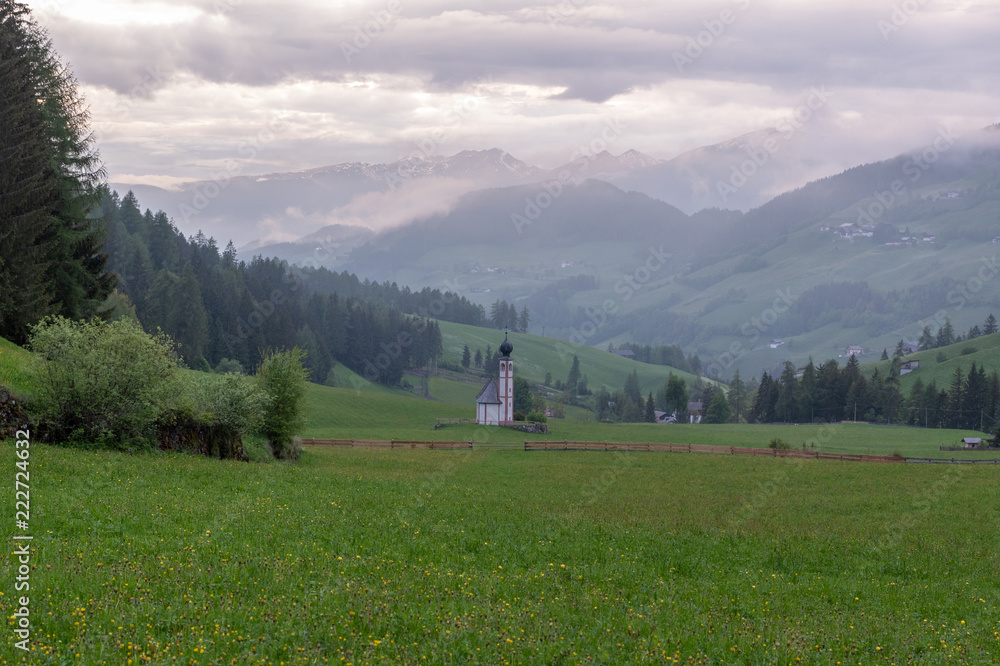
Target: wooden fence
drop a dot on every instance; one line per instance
(605, 446)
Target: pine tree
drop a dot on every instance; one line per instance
(650, 409)
(466, 357)
(927, 340)
(51, 257)
(574, 374)
(945, 334)
(900, 351)
(737, 396)
(956, 400)
(990, 325)
(479, 358)
(718, 410)
(885, 355)
(522, 320)
(786, 407)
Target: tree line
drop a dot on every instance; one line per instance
(217, 308)
(51, 261)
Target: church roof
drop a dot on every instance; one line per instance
(490, 394)
(505, 347)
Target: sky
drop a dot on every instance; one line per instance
(181, 89)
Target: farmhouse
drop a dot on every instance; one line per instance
(495, 403)
(908, 367)
(855, 350)
(627, 353)
(971, 442)
(694, 411)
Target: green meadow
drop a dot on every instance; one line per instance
(365, 556)
(489, 556)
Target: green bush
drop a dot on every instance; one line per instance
(537, 417)
(231, 400)
(101, 384)
(282, 378)
(968, 350)
(227, 365)
(778, 443)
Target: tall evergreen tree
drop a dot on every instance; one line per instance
(51, 257)
(737, 396)
(650, 416)
(466, 357)
(990, 325)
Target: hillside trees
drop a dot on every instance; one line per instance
(50, 248)
(216, 307)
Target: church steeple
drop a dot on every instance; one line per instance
(505, 347)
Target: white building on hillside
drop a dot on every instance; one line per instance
(495, 403)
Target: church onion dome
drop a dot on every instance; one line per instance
(505, 347)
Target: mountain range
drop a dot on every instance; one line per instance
(864, 257)
(284, 207)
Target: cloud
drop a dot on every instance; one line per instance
(365, 80)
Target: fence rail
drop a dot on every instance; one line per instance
(567, 445)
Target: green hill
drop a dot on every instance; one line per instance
(14, 369)
(984, 351)
(534, 356)
(733, 281)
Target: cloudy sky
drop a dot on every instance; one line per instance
(181, 88)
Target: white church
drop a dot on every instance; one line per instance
(495, 403)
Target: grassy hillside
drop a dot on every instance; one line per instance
(14, 369)
(488, 557)
(534, 356)
(727, 273)
(959, 355)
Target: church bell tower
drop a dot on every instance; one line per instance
(506, 383)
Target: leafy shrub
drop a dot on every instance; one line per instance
(228, 365)
(518, 416)
(282, 378)
(538, 417)
(968, 350)
(232, 400)
(941, 357)
(778, 443)
(101, 384)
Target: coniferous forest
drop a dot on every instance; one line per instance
(219, 309)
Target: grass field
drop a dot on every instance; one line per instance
(359, 556)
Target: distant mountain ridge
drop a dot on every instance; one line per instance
(285, 206)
